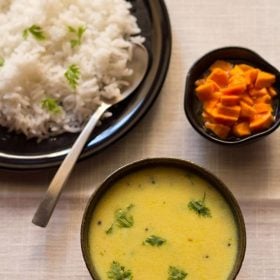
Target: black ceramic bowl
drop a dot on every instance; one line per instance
(193, 107)
(163, 162)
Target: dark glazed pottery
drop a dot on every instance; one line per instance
(193, 107)
(16, 152)
(164, 162)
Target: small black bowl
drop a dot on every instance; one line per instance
(218, 185)
(236, 55)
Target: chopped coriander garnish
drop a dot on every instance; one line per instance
(2, 61)
(109, 230)
(118, 272)
(79, 32)
(123, 219)
(51, 105)
(199, 207)
(36, 31)
(154, 240)
(176, 274)
(73, 75)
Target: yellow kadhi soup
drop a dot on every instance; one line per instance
(163, 223)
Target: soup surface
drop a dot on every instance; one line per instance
(163, 223)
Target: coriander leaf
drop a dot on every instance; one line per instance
(110, 229)
(71, 29)
(123, 218)
(73, 75)
(199, 207)
(154, 240)
(79, 32)
(118, 272)
(25, 33)
(36, 31)
(176, 274)
(74, 43)
(2, 61)
(51, 105)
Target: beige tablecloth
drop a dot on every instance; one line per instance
(252, 172)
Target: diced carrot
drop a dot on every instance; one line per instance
(219, 76)
(245, 67)
(247, 99)
(264, 80)
(230, 100)
(205, 91)
(216, 86)
(241, 129)
(247, 111)
(209, 106)
(219, 129)
(263, 99)
(234, 89)
(236, 70)
(261, 122)
(262, 108)
(237, 80)
(251, 76)
(221, 118)
(231, 111)
(236, 99)
(221, 64)
(272, 91)
(207, 117)
(224, 119)
(258, 92)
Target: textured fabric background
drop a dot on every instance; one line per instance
(252, 172)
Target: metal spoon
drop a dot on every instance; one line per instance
(139, 64)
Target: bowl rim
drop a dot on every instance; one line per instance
(132, 167)
(188, 96)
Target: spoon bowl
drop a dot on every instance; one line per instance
(139, 64)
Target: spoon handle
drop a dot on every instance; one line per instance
(47, 205)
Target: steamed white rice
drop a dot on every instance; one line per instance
(34, 70)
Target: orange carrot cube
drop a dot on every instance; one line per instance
(234, 89)
(261, 122)
(264, 80)
(258, 92)
(231, 111)
(220, 130)
(230, 100)
(241, 129)
(262, 108)
(221, 64)
(247, 111)
(263, 99)
(219, 76)
(205, 91)
(247, 99)
(251, 76)
(272, 91)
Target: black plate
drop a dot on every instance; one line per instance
(16, 152)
